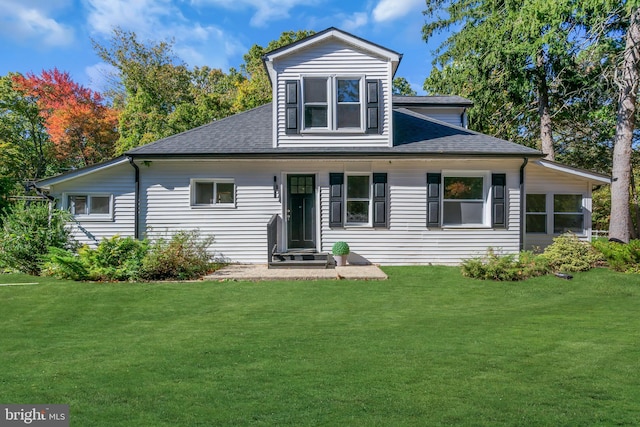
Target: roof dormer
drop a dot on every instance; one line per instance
(332, 89)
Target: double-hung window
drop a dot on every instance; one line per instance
(558, 212)
(213, 193)
(567, 213)
(358, 199)
(333, 103)
(90, 206)
(466, 199)
(536, 220)
(343, 103)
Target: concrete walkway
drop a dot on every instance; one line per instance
(253, 272)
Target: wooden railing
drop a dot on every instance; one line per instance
(272, 237)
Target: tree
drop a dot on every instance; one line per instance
(25, 147)
(517, 60)
(402, 87)
(255, 89)
(158, 94)
(81, 127)
(628, 80)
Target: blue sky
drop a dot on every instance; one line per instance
(43, 34)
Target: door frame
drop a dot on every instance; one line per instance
(315, 214)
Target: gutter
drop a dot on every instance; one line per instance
(522, 203)
(136, 210)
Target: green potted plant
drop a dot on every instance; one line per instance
(340, 251)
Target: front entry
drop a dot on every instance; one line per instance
(301, 211)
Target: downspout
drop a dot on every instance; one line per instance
(136, 211)
(522, 202)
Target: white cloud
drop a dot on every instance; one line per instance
(26, 21)
(355, 21)
(266, 10)
(161, 20)
(388, 10)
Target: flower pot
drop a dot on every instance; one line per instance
(341, 260)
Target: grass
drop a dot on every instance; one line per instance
(426, 347)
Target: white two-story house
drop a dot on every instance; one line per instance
(335, 156)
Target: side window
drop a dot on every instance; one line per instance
(90, 206)
(358, 199)
(213, 193)
(567, 213)
(536, 220)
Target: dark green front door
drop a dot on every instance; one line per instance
(301, 201)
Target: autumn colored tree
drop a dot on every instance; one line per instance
(80, 125)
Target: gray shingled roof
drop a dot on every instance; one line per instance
(249, 134)
(431, 100)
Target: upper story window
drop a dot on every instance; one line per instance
(332, 104)
(90, 206)
(213, 192)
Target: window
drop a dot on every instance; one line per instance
(316, 105)
(349, 103)
(565, 210)
(333, 103)
(207, 193)
(96, 206)
(463, 200)
(567, 213)
(358, 199)
(536, 216)
(363, 201)
(466, 199)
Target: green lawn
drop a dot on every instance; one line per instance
(426, 347)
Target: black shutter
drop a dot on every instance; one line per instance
(380, 205)
(292, 90)
(498, 211)
(433, 199)
(336, 199)
(374, 109)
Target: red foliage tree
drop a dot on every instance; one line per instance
(82, 128)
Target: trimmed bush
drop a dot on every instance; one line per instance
(340, 248)
(505, 267)
(567, 253)
(28, 231)
(620, 256)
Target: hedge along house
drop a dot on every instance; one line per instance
(335, 156)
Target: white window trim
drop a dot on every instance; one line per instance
(369, 222)
(332, 104)
(552, 212)
(214, 181)
(545, 213)
(486, 194)
(90, 217)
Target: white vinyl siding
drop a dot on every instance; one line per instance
(344, 62)
(117, 183)
(240, 232)
(551, 183)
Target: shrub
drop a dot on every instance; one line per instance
(620, 256)
(28, 231)
(116, 258)
(568, 253)
(184, 256)
(506, 267)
